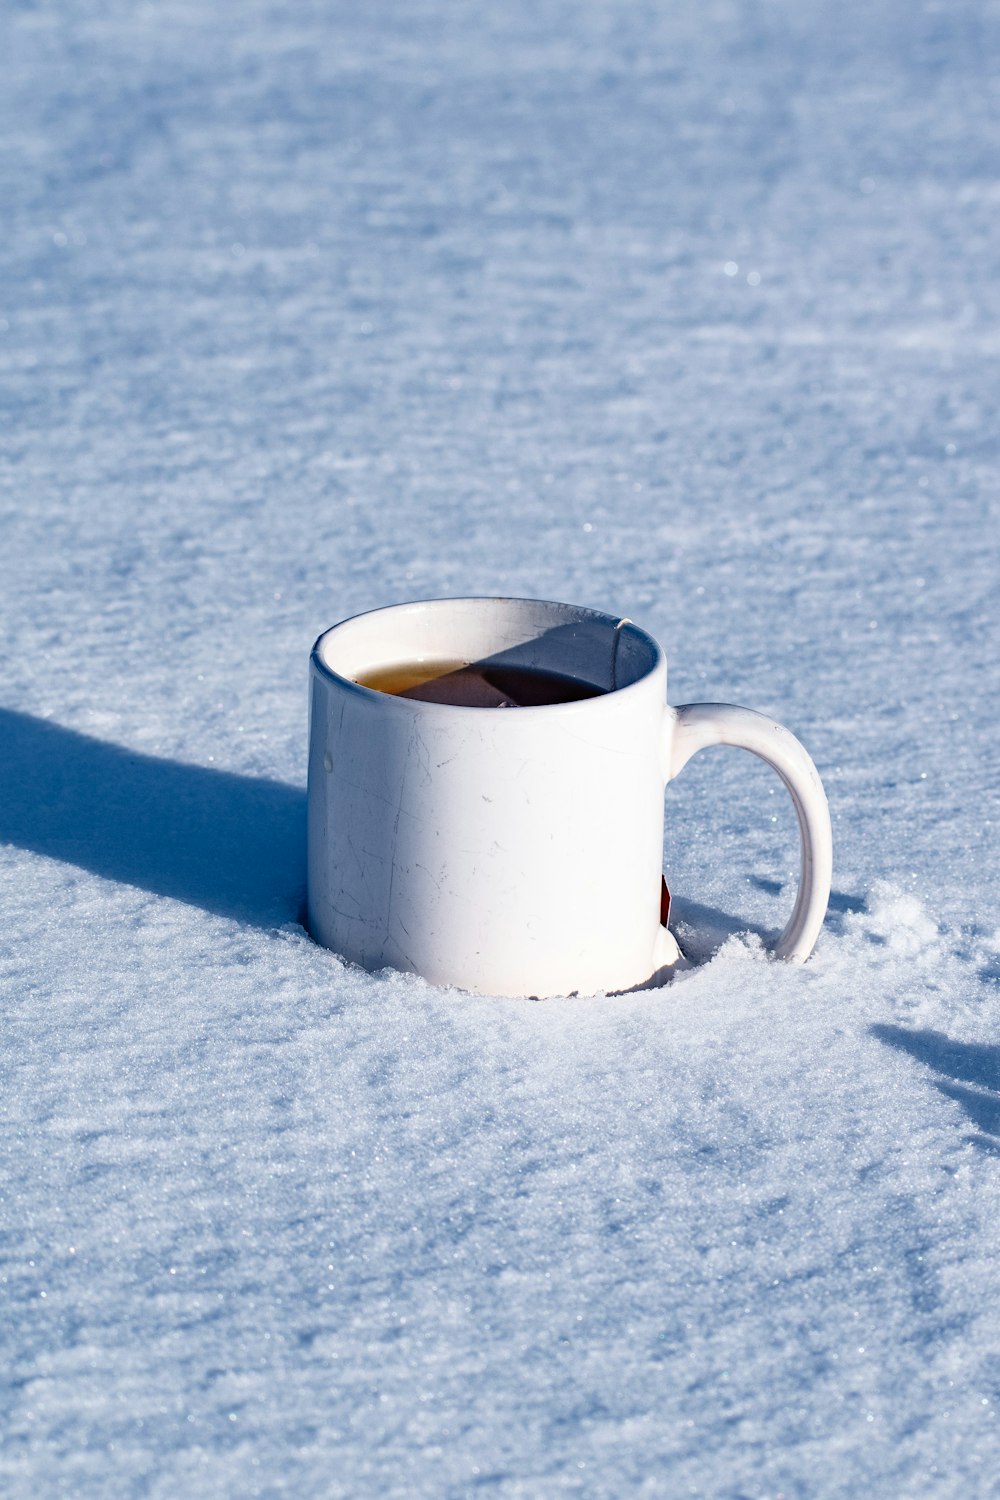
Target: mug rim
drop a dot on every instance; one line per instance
(580, 611)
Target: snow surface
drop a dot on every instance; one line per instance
(688, 312)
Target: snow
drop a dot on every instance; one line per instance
(687, 313)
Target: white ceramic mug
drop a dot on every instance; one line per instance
(517, 852)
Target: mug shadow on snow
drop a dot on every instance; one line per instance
(968, 1072)
(231, 844)
(234, 845)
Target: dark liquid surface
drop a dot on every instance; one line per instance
(477, 685)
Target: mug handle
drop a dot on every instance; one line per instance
(696, 725)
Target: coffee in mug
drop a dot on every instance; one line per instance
(477, 684)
